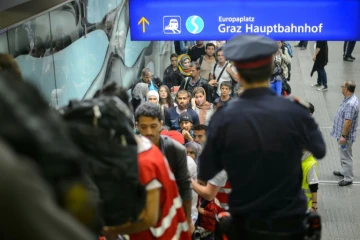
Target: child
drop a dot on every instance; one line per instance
(310, 183)
(225, 97)
(206, 221)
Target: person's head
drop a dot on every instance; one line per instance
(200, 133)
(193, 149)
(149, 121)
(252, 56)
(174, 60)
(348, 88)
(225, 88)
(164, 93)
(153, 96)
(183, 64)
(220, 55)
(279, 44)
(210, 49)
(311, 108)
(199, 43)
(9, 64)
(194, 70)
(146, 75)
(182, 99)
(199, 95)
(185, 121)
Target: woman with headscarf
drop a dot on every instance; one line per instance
(139, 95)
(202, 107)
(153, 97)
(184, 61)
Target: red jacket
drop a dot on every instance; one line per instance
(155, 173)
(208, 219)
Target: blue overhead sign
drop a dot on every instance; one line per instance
(222, 19)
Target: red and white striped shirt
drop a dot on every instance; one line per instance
(155, 173)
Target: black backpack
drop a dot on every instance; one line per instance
(36, 131)
(102, 128)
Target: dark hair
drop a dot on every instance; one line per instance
(148, 109)
(209, 45)
(226, 84)
(311, 108)
(260, 74)
(195, 64)
(145, 71)
(182, 91)
(173, 55)
(350, 85)
(200, 127)
(169, 99)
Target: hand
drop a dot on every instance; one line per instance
(313, 210)
(191, 227)
(200, 210)
(109, 234)
(213, 83)
(193, 103)
(314, 58)
(342, 141)
(229, 70)
(186, 135)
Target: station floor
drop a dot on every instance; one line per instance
(338, 206)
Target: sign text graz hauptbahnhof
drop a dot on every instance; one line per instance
(222, 19)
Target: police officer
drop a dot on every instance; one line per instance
(258, 139)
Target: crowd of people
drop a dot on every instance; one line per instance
(182, 134)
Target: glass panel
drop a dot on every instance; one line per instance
(31, 46)
(4, 47)
(65, 26)
(98, 9)
(77, 66)
(133, 49)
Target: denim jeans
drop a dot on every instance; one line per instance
(322, 78)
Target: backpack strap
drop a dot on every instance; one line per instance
(201, 59)
(215, 65)
(222, 71)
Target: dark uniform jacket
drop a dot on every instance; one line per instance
(258, 139)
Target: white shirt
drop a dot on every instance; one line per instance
(225, 76)
(192, 167)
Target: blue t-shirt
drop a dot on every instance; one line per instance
(172, 118)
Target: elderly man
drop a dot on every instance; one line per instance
(344, 130)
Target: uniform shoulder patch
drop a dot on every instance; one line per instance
(298, 101)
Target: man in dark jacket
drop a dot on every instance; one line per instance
(196, 81)
(172, 75)
(264, 167)
(149, 123)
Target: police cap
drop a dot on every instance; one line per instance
(249, 51)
